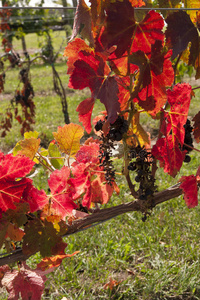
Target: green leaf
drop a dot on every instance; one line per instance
(57, 163)
(42, 236)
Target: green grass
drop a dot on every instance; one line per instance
(156, 259)
(34, 41)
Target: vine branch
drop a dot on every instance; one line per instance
(103, 215)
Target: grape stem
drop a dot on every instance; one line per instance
(131, 186)
(191, 147)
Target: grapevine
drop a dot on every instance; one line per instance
(128, 61)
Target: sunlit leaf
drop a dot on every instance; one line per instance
(72, 52)
(27, 283)
(137, 132)
(54, 261)
(54, 152)
(11, 169)
(82, 18)
(61, 197)
(68, 138)
(190, 190)
(27, 147)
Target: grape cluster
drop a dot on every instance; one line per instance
(117, 129)
(105, 153)
(188, 140)
(141, 163)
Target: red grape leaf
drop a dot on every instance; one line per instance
(11, 186)
(122, 30)
(168, 152)
(154, 96)
(43, 237)
(147, 32)
(27, 283)
(196, 120)
(11, 192)
(190, 190)
(180, 31)
(54, 261)
(83, 17)
(85, 111)
(14, 167)
(119, 27)
(120, 65)
(124, 92)
(179, 100)
(89, 181)
(72, 52)
(61, 198)
(87, 154)
(100, 192)
(36, 199)
(91, 71)
(108, 95)
(3, 270)
(173, 129)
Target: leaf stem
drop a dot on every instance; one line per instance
(47, 166)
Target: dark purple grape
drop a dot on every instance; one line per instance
(187, 158)
(132, 167)
(98, 125)
(137, 178)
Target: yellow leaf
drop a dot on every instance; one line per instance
(29, 145)
(44, 152)
(137, 133)
(192, 4)
(29, 134)
(56, 162)
(185, 55)
(68, 138)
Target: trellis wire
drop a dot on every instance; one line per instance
(137, 8)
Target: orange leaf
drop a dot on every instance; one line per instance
(15, 234)
(54, 261)
(72, 51)
(68, 137)
(193, 4)
(137, 132)
(111, 284)
(29, 147)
